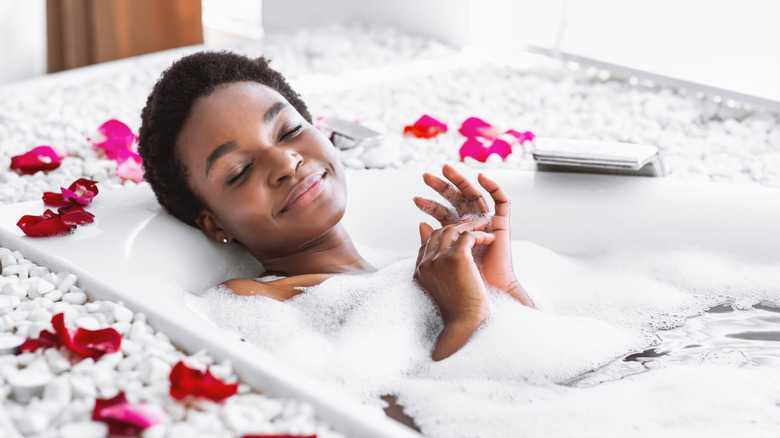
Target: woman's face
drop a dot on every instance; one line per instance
(267, 177)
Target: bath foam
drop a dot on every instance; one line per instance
(372, 335)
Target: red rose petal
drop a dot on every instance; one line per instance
(87, 343)
(186, 381)
(425, 127)
(39, 158)
(46, 339)
(53, 199)
(122, 418)
(44, 225)
(75, 215)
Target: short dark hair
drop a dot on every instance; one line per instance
(168, 108)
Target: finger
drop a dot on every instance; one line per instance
(448, 192)
(498, 195)
(469, 192)
(433, 241)
(444, 215)
(425, 232)
(469, 239)
(450, 234)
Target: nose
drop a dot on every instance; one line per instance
(284, 163)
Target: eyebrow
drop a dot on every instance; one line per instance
(221, 150)
(230, 146)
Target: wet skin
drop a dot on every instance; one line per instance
(270, 182)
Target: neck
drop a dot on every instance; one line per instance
(333, 253)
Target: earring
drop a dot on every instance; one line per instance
(224, 240)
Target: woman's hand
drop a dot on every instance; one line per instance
(468, 203)
(446, 269)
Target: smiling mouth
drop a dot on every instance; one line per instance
(304, 191)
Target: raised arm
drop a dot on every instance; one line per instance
(446, 270)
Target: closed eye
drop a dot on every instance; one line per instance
(290, 133)
(239, 176)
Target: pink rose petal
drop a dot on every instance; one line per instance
(130, 167)
(114, 137)
(475, 127)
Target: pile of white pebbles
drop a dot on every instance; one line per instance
(45, 395)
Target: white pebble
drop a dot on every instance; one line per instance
(19, 270)
(10, 343)
(122, 314)
(153, 369)
(8, 259)
(57, 362)
(66, 282)
(32, 422)
(87, 322)
(6, 323)
(54, 295)
(83, 386)
(39, 315)
(39, 271)
(14, 290)
(352, 163)
(44, 287)
(7, 303)
(75, 297)
(58, 390)
(28, 383)
(28, 306)
(85, 429)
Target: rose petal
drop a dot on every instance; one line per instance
(54, 199)
(75, 215)
(48, 224)
(521, 136)
(124, 419)
(40, 158)
(475, 127)
(130, 167)
(425, 127)
(186, 381)
(500, 147)
(46, 339)
(114, 137)
(87, 343)
(96, 343)
(473, 148)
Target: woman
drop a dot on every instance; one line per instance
(228, 147)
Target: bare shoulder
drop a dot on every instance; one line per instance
(280, 290)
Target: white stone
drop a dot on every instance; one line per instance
(39, 271)
(32, 422)
(352, 163)
(85, 429)
(44, 287)
(28, 383)
(8, 259)
(14, 290)
(57, 362)
(82, 386)
(66, 282)
(19, 270)
(122, 314)
(7, 303)
(153, 369)
(75, 297)
(54, 295)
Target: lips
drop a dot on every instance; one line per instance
(304, 191)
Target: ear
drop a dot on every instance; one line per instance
(212, 228)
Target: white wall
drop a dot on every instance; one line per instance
(22, 39)
(446, 20)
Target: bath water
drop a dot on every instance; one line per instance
(621, 344)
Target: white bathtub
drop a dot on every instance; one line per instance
(138, 254)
